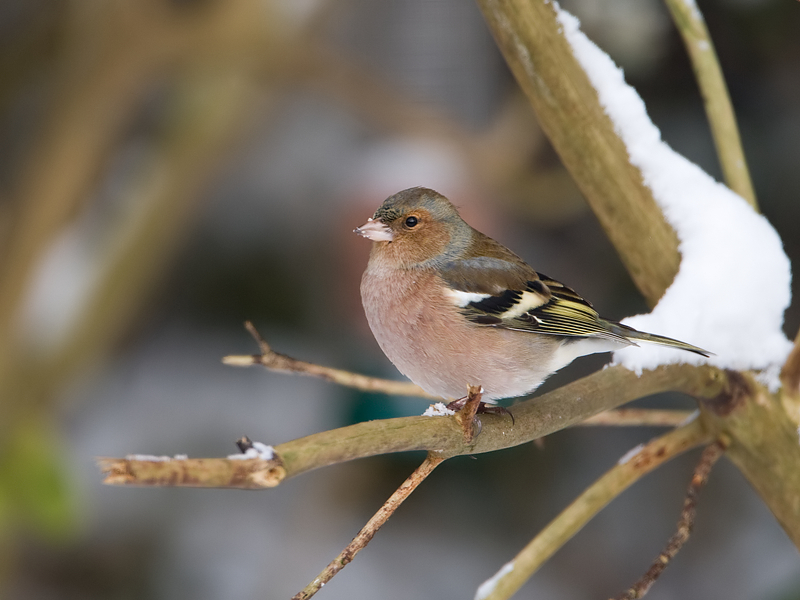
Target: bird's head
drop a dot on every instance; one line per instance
(416, 226)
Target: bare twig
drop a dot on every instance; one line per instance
(371, 528)
(721, 118)
(707, 460)
(285, 364)
(627, 471)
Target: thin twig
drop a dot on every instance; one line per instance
(285, 364)
(632, 417)
(371, 528)
(628, 470)
(721, 118)
(707, 460)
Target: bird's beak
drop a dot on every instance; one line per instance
(377, 231)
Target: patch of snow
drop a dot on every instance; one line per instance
(438, 410)
(257, 450)
(487, 587)
(630, 454)
(734, 280)
(148, 458)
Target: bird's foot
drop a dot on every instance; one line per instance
(469, 407)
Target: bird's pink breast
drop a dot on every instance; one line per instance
(427, 338)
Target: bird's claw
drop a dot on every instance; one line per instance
(469, 407)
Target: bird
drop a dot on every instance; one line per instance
(452, 308)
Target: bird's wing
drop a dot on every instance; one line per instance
(498, 293)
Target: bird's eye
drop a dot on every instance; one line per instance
(411, 222)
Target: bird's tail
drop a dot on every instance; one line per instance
(635, 335)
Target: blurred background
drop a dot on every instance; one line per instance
(169, 169)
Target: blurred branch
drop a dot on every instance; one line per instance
(495, 156)
(685, 524)
(188, 152)
(634, 417)
(444, 436)
(116, 56)
(627, 471)
(707, 71)
(570, 113)
(67, 157)
(209, 97)
(285, 364)
(371, 528)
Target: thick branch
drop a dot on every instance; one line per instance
(627, 471)
(721, 118)
(570, 113)
(534, 418)
(763, 444)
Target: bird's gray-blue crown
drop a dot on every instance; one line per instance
(439, 207)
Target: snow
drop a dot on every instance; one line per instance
(734, 280)
(487, 587)
(148, 458)
(438, 410)
(257, 450)
(691, 418)
(630, 454)
(153, 458)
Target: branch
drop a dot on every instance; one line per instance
(763, 443)
(570, 113)
(281, 363)
(628, 470)
(371, 528)
(286, 364)
(247, 474)
(709, 457)
(721, 118)
(633, 417)
(444, 436)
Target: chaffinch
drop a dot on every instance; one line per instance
(452, 307)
